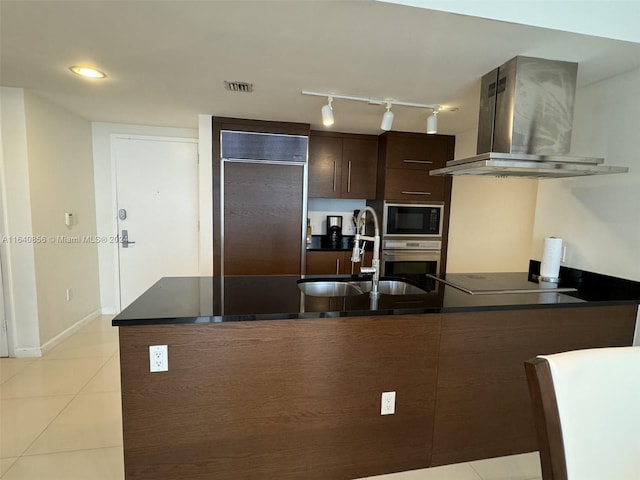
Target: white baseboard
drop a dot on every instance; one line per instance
(27, 352)
(68, 332)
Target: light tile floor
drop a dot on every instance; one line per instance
(60, 418)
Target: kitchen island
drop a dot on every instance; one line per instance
(265, 382)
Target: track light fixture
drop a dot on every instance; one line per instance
(387, 118)
(432, 122)
(327, 113)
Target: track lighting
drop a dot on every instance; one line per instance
(387, 118)
(432, 122)
(327, 113)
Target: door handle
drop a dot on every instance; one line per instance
(125, 239)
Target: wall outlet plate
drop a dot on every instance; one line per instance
(158, 358)
(388, 403)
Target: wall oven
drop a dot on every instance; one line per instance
(413, 260)
(412, 241)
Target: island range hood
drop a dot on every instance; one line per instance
(525, 124)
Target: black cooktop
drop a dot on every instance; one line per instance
(499, 283)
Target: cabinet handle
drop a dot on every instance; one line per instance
(416, 193)
(418, 161)
(337, 266)
(334, 175)
(349, 179)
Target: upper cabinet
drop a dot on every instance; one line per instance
(342, 165)
(404, 162)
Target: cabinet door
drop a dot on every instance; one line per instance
(262, 212)
(419, 152)
(413, 185)
(325, 166)
(324, 263)
(359, 167)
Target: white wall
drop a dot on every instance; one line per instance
(61, 180)
(105, 199)
(46, 171)
(491, 221)
(18, 258)
(599, 217)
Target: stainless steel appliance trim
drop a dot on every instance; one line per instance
(411, 255)
(405, 244)
(267, 153)
(528, 157)
(349, 179)
(268, 162)
(385, 219)
(416, 193)
(526, 169)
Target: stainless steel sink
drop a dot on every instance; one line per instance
(329, 288)
(346, 288)
(397, 287)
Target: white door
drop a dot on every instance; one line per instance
(157, 202)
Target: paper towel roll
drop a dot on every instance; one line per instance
(551, 256)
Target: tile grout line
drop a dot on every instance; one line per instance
(475, 472)
(22, 454)
(18, 372)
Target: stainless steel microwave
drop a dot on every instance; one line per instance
(412, 219)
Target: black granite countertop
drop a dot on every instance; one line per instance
(246, 298)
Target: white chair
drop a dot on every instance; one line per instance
(586, 407)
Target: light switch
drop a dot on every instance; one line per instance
(68, 219)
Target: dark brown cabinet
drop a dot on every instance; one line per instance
(404, 162)
(333, 263)
(342, 165)
(302, 396)
(483, 408)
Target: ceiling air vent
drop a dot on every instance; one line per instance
(239, 86)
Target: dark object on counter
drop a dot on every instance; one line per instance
(334, 231)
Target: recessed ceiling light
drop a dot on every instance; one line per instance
(87, 72)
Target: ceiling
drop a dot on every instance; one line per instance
(167, 61)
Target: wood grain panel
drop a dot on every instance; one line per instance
(279, 399)
(359, 166)
(325, 166)
(244, 125)
(413, 185)
(263, 219)
(483, 407)
(407, 150)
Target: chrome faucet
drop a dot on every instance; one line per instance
(357, 252)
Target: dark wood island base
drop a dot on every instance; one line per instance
(300, 398)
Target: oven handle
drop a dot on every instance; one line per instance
(417, 255)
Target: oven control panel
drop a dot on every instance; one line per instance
(411, 244)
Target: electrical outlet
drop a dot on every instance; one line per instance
(388, 403)
(158, 358)
(69, 294)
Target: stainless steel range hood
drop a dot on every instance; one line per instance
(525, 124)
